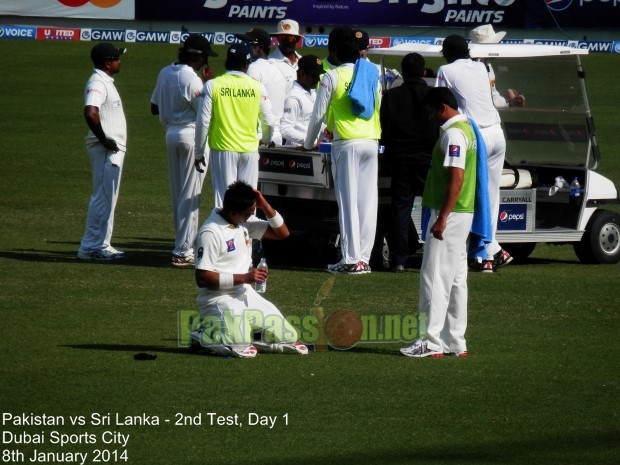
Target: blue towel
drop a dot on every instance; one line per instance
(363, 90)
(481, 231)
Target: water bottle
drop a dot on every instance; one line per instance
(261, 287)
(574, 196)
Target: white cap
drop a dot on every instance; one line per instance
(486, 35)
(287, 26)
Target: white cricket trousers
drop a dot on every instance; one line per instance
(185, 188)
(228, 167)
(495, 141)
(241, 315)
(106, 167)
(355, 170)
(443, 283)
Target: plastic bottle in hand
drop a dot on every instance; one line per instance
(261, 287)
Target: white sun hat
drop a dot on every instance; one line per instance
(486, 35)
(287, 26)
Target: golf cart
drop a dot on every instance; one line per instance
(550, 141)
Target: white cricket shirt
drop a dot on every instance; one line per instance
(469, 82)
(177, 94)
(297, 112)
(224, 248)
(101, 92)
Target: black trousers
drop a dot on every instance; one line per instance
(408, 178)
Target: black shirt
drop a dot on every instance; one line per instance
(406, 130)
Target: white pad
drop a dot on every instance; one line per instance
(509, 178)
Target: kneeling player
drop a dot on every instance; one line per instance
(231, 310)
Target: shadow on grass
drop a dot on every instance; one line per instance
(586, 447)
(156, 253)
(187, 351)
(141, 251)
(370, 350)
(131, 348)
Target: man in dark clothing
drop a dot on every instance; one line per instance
(408, 136)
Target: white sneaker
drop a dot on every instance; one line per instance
(118, 253)
(109, 253)
(353, 268)
(248, 352)
(281, 348)
(457, 354)
(183, 262)
(222, 350)
(297, 348)
(419, 348)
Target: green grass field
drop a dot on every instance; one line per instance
(540, 386)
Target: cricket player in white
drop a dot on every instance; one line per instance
(469, 81)
(106, 143)
(176, 99)
(449, 199)
(230, 308)
(485, 34)
(354, 160)
(285, 55)
(299, 102)
(266, 72)
(226, 124)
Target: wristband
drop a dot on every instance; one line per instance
(276, 221)
(227, 280)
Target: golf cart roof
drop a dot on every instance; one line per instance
(483, 50)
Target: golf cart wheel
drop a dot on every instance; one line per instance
(519, 250)
(601, 241)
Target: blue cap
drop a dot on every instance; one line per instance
(238, 54)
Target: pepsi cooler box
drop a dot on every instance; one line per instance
(517, 210)
(288, 166)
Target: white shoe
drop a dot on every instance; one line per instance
(221, 350)
(419, 348)
(353, 268)
(117, 253)
(109, 253)
(183, 262)
(282, 348)
(248, 352)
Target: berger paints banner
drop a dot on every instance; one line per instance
(444, 13)
(103, 9)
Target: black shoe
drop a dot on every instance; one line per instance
(398, 269)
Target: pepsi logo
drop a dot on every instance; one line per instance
(265, 160)
(505, 216)
(291, 164)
